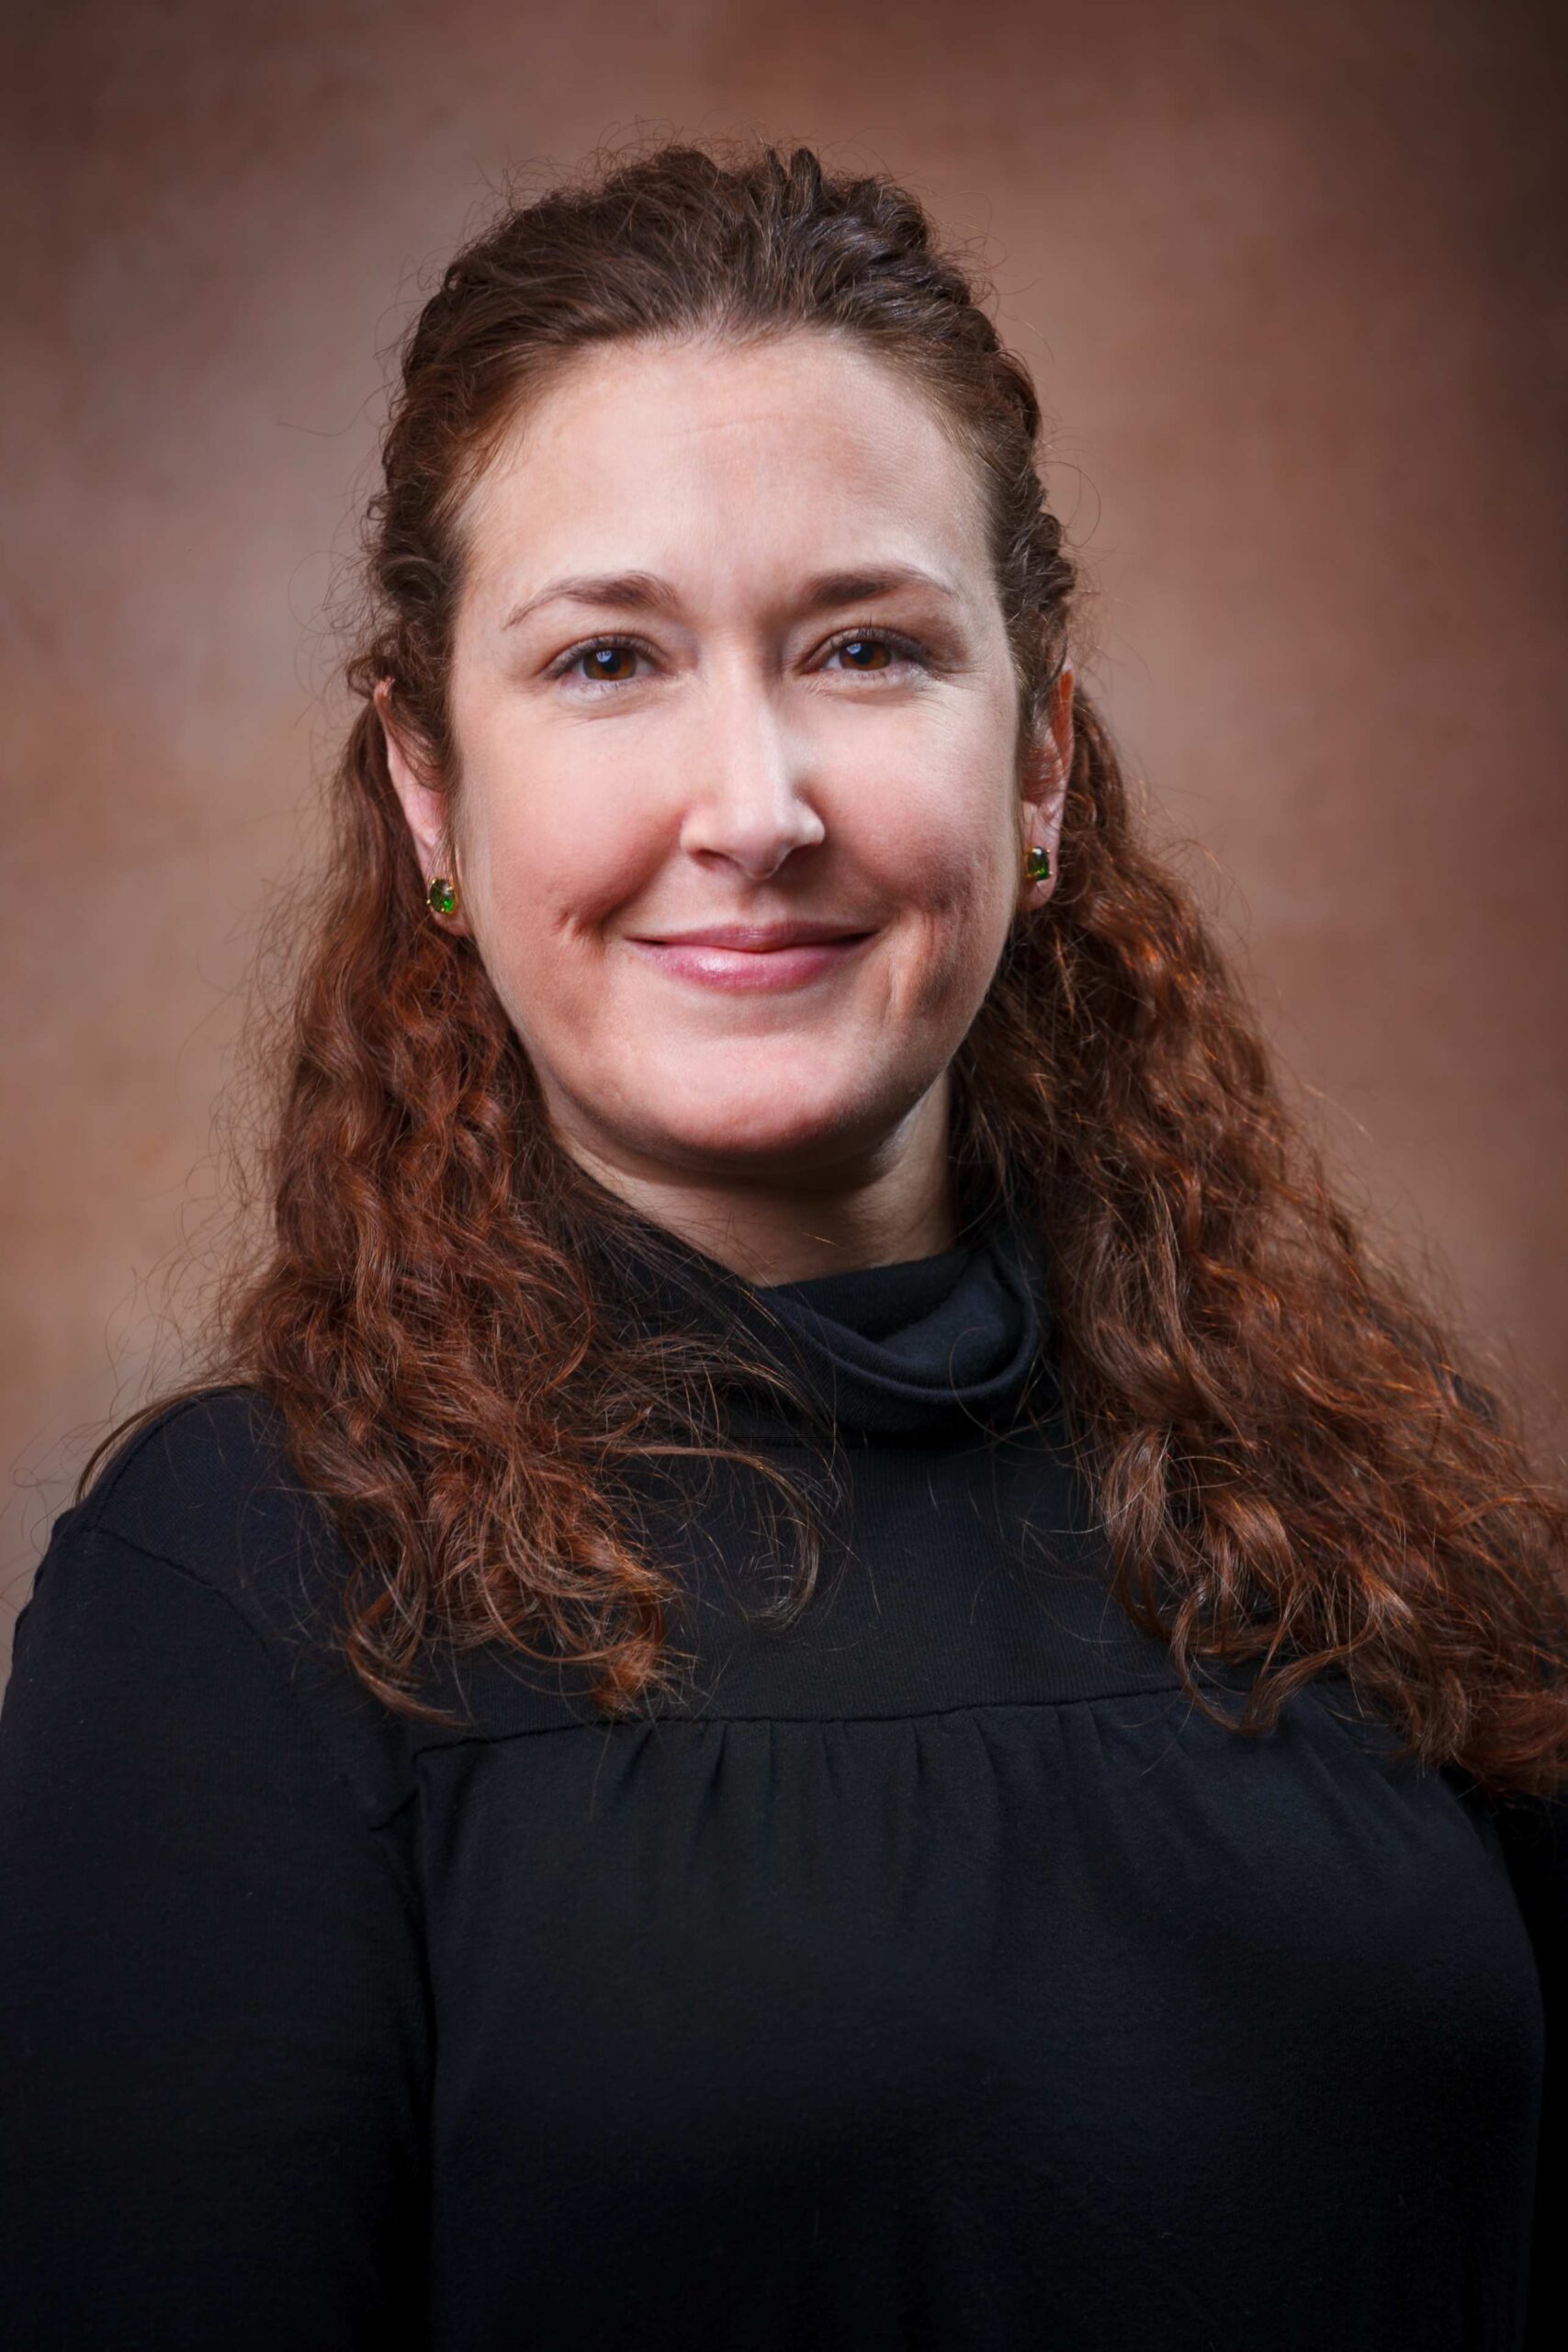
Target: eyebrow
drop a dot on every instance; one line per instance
(645, 591)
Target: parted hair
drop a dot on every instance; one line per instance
(1290, 1465)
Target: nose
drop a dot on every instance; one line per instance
(751, 801)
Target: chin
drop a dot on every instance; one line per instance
(754, 1128)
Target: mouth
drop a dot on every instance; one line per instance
(755, 938)
(745, 957)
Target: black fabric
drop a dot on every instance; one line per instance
(931, 1974)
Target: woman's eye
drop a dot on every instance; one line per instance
(608, 663)
(869, 654)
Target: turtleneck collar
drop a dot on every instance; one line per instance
(929, 1348)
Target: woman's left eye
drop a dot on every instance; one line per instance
(864, 650)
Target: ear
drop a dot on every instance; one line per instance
(426, 806)
(1048, 764)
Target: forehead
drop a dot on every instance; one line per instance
(730, 466)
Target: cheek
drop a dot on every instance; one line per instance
(952, 876)
(938, 812)
(555, 856)
(540, 813)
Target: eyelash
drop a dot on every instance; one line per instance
(907, 646)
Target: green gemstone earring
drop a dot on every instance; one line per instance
(1037, 865)
(441, 896)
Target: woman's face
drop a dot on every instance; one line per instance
(729, 656)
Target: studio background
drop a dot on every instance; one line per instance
(1292, 285)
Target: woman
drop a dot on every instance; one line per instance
(824, 1665)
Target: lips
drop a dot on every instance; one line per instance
(755, 939)
(748, 958)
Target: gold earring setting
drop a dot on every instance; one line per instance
(1037, 865)
(442, 894)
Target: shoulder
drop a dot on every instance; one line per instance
(206, 1486)
(204, 1493)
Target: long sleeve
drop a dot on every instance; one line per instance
(1535, 1835)
(214, 2035)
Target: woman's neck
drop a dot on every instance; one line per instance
(877, 1209)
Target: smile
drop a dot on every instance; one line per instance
(744, 969)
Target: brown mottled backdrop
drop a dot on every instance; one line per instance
(1292, 282)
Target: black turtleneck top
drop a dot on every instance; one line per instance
(933, 1975)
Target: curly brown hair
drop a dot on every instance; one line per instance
(1288, 1464)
